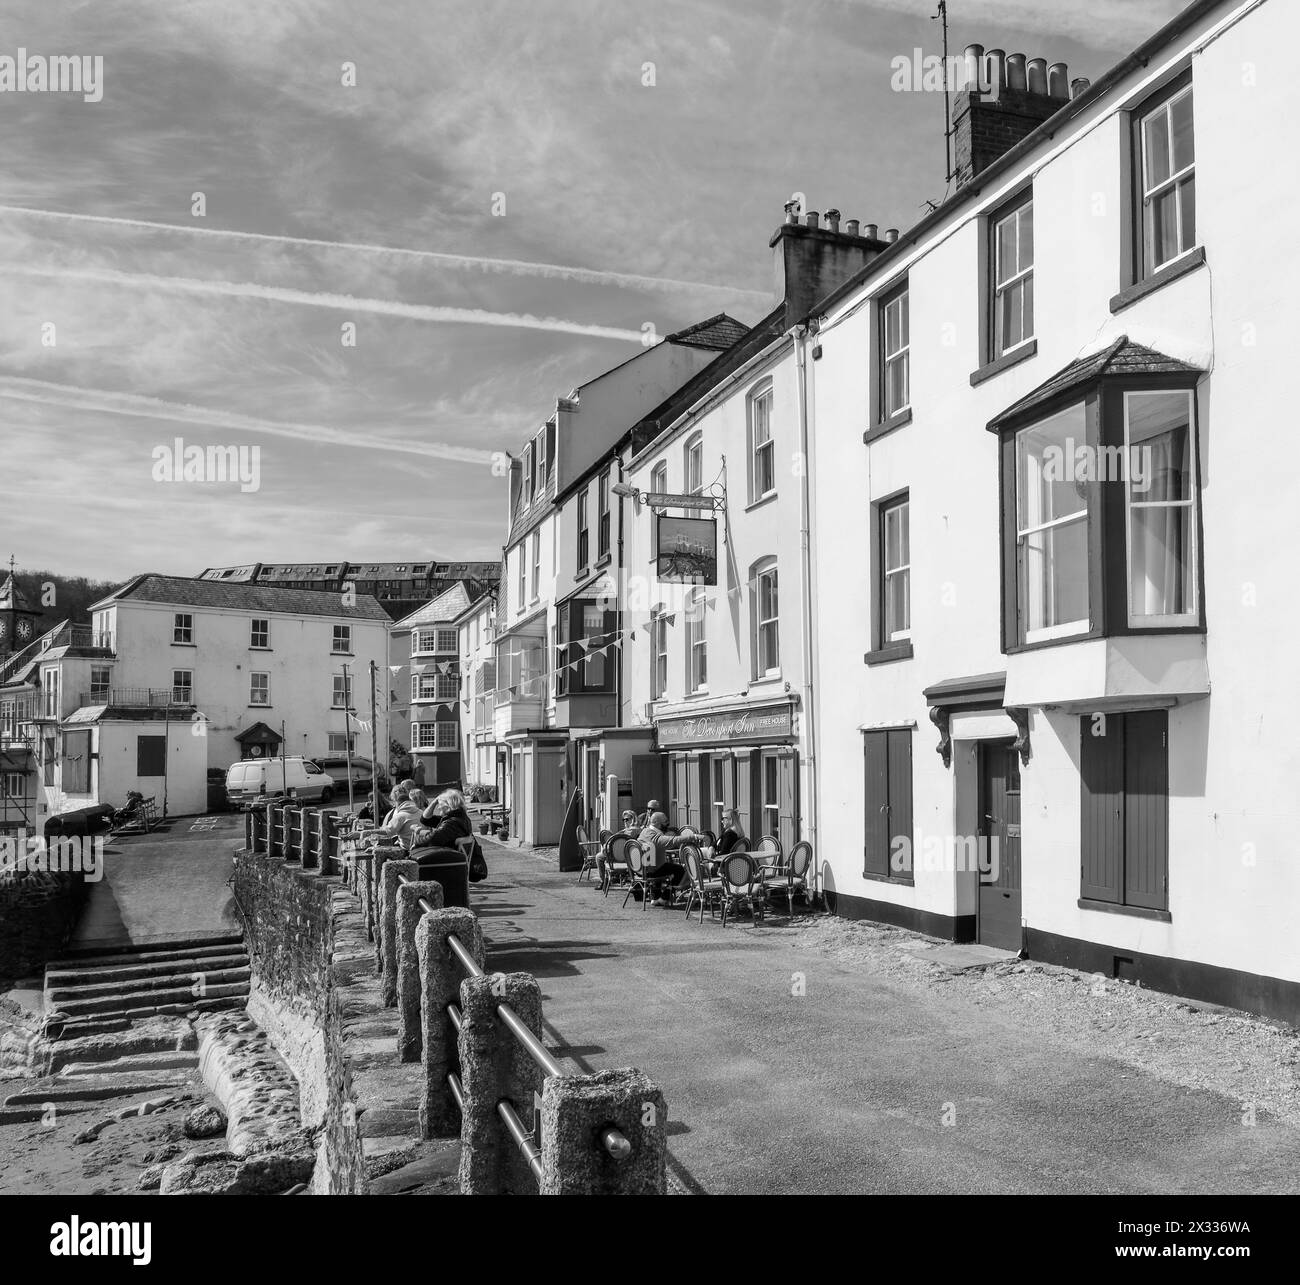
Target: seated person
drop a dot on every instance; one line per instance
(447, 819)
(732, 831)
(399, 823)
(630, 830)
(434, 846)
(399, 796)
(650, 809)
(660, 869)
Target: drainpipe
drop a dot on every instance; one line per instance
(799, 335)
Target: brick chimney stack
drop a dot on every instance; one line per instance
(811, 260)
(1004, 99)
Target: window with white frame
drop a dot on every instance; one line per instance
(767, 628)
(446, 687)
(693, 461)
(15, 787)
(340, 743)
(342, 638)
(602, 515)
(446, 642)
(537, 565)
(259, 689)
(422, 687)
(895, 332)
(1160, 508)
(697, 654)
(896, 571)
(1167, 178)
(183, 686)
(762, 473)
(50, 687)
(521, 569)
(583, 531)
(182, 627)
(423, 640)
(339, 698)
(259, 633)
(658, 486)
(1051, 529)
(1013, 279)
(444, 735)
(100, 676)
(658, 655)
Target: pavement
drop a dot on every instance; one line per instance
(168, 885)
(788, 1071)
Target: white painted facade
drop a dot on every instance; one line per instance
(1233, 807)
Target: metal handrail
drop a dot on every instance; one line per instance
(613, 1140)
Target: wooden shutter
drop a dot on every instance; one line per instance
(1146, 810)
(875, 852)
(1101, 774)
(787, 797)
(899, 816)
(745, 791)
(696, 765)
(150, 755)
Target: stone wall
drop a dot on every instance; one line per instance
(290, 917)
(37, 912)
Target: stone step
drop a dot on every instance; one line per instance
(132, 1064)
(173, 999)
(58, 979)
(92, 1048)
(95, 1090)
(151, 952)
(56, 996)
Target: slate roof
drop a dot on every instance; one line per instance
(718, 332)
(1121, 358)
(182, 591)
(441, 610)
(20, 666)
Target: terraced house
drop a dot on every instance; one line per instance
(1057, 670)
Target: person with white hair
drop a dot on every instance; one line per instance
(436, 846)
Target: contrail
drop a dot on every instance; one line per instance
(320, 299)
(136, 405)
(515, 267)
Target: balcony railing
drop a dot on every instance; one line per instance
(87, 636)
(140, 697)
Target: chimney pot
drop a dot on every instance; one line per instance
(870, 232)
(792, 211)
(1036, 75)
(833, 220)
(974, 55)
(1016, 72)
(891, 235)
(811, 219)
(851, 227)
(996, 60)
(1078, 86)
(1058, 80)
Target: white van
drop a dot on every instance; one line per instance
(252, 779)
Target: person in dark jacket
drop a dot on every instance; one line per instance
(436, 851)
(731, 831)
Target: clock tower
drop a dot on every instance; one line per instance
(18, 619)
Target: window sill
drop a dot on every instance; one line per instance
(894, 879)
(342, 653)
(260, 707)
(1138, 912)
(762, 500)
(889, 652)
(251, 648)
(181, 644)
(1005, 362)
(1189, 262)
(765, 680)
(881, 427)
(603, 560)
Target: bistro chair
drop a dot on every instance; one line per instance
(700, 887)
(741, 886)
(590, 851)
(616, 862)
(638, 868)
(792, 875)
(768, 854)
(708, 839)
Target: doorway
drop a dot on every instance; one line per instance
(999, 834)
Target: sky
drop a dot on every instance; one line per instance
(497, 197)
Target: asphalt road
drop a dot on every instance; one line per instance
(165, 886)
(787, 1071)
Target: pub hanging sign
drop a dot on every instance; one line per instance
(753, 725)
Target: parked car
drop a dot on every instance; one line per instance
(336, 767)
(250, 780)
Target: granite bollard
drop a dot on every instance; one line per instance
(440, 978)
(577, 1109)
(393, 872)
(409, 914)
(494, 1065)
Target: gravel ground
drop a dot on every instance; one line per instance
(1252, 1060)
